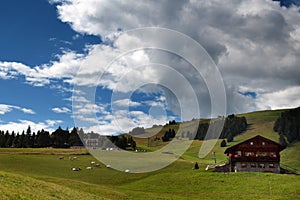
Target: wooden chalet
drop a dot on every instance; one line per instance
(257, 154)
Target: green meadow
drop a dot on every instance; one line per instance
(40, 174)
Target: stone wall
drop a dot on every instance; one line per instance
(256, 167)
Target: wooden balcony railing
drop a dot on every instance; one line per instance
(255, 159)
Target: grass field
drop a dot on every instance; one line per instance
(40, 174)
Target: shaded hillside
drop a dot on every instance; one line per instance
(156, 136)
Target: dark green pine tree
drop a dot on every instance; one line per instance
(229, 138)
(28, 131)
(288, 126)
(21, 140)
(81, 133)
(27, 138)
(16, 141)
(223, 143)
(60, 138)
(172, 133)
(43, 139)
(9, 141)
(2, 139)
(74, 139)
(121, 142)
(166, 136)
(32, 140)
(6, 137)
(282, 140)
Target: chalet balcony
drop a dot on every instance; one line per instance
(255, 159)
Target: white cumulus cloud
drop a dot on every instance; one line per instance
(256, 45)
(61, 110)
(22, 125)
(5, 108)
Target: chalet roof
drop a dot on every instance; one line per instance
(256, 138)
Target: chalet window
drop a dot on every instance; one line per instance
(253, 165)
(271, 165)
(251, 143)
(244, 165)
(273, 154)
(249, 154)
(262, 154)
(263, 143)
(238, 154)
(261, 165)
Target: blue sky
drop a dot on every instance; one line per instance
(33, 35)
(47, 48)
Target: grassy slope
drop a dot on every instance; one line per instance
(195, 185)
(54, 180)
(44, 151)
(21, 187)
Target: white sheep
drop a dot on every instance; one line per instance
(73, 158)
